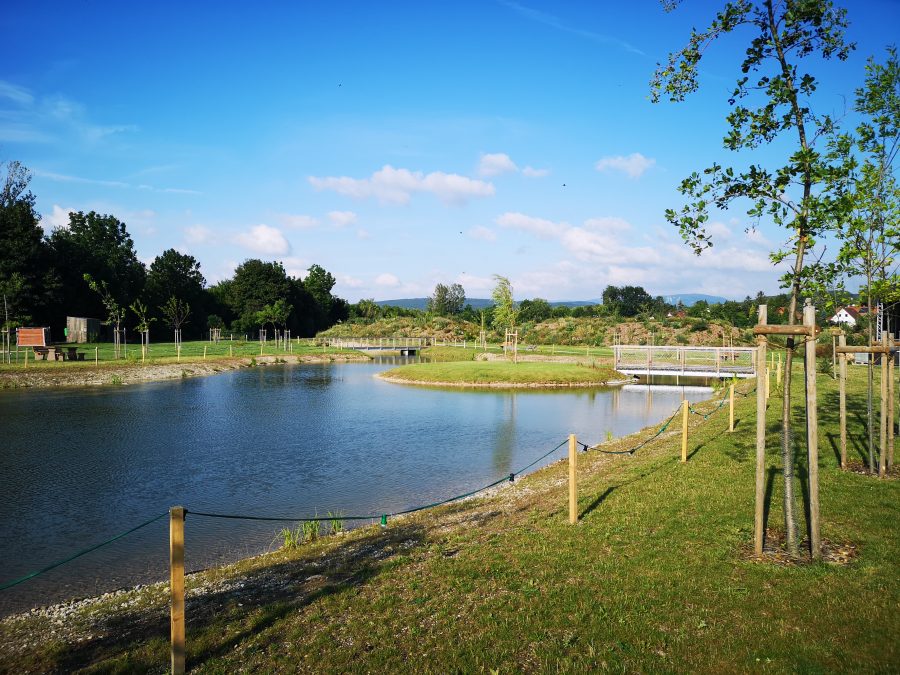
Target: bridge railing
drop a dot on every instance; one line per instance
(377, 343)
(684, 359)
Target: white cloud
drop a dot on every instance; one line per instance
(296, 267)
(531, 172)
(350, 282)
(198, 234)
(263, 239)
(15, 93)
(719, 230)
(538, 226)
(298, 222)
(362, 233)
(495, 164)
(63, 178)
(59, 218)
(607, 224)
(483, 233)
(387, 280)
(341, 218)
(475, 286)
(396, 186)
(757, 237)
(633, 166)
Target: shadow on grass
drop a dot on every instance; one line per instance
(599, 500)
(253, 601)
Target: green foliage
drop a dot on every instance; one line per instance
(447, 300)
(335, 523)
(627, 300)
(98, 246)
(311, 530)
(505, 312)
(28, 282)
(141, 312)
(534, 311)
(175, 312)
(115, 313)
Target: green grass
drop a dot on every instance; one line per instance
(655, 577)
(502, 372)
(166, 352)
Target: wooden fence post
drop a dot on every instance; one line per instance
(731, 408)
(573, 477)
(96, 356)
(684, 429)
(882, 460)
(176, 585)
(204, 352)
(842, 398)
(758, 521)
(778, 373)
(890, 448)
(812, 429)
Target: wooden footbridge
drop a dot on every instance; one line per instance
(685, 361)
(405, 345)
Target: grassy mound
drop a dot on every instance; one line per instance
(501, 374)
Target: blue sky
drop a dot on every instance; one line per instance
(398, 144)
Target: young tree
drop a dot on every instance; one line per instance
(870, 197)
(767, 108)
(505, 313)
(175, 314)
(144, 320)
(115, 313)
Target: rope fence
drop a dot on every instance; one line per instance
(178, 514)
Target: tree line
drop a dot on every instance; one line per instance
(90, 268)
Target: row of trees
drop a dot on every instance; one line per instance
(90, 269)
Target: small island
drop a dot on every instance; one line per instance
(503, 374)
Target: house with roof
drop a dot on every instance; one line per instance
(849, 315)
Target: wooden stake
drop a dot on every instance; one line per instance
(573, 477)
(684, 429)
(731, 408)
(26, 358)
(778, 373)
(890, 448)
(96, 356)
(812, 430)
(204, 352)
(842, 399)
(768, 379)
(176, 584)
(758, 521)
(882, 460)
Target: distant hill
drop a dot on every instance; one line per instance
(480, 303)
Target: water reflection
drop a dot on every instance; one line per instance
(80, 466)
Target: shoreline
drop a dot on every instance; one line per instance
(115, 374)
(505, 385)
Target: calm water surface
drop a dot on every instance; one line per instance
(79, 466)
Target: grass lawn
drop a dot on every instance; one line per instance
(479, 373)
(165, 352)
(656, 576)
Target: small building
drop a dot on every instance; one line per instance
(849, 316)
(82, 329)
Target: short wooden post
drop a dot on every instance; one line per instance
(96, 356)
(204, 352)
(768, 379)
(685, 405)
(758, 521)
(573, 477)
(176, 585)
(778, 373)
(178, 352)
(731, 408)
(882, 460)
(26, 358)
(842, 398)
(812, 429)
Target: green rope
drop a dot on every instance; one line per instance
(639, 445)
(32, 575)
(381, 516)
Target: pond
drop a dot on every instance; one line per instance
(80, 466)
